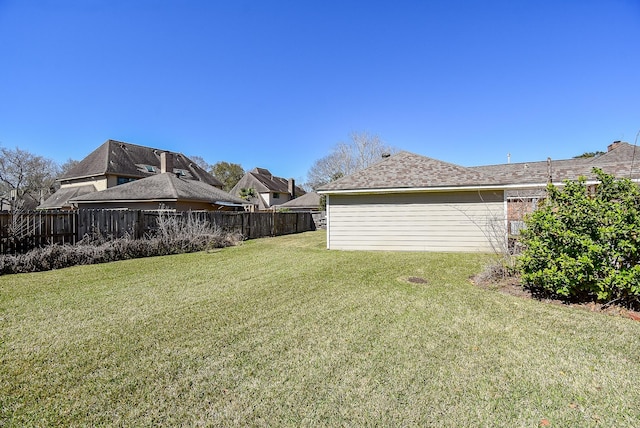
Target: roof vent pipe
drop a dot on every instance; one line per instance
(386, 155)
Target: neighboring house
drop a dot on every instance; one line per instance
(526, 182)
(269, 190)
(8, 202)
(115, 163)
(411, 202)
(166, 190)
(307, 202)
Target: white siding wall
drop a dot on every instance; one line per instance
(99, 183)
(456, 221)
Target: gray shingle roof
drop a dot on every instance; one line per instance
(60, 199)
(618, 161)
(263, 181)
(309, 200)
(407, 170)
(161, 187)
(130, 160)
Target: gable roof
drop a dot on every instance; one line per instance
(131, 160)
(263, 181)
(161, 187)
(408, 170)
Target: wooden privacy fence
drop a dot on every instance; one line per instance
(24, 231)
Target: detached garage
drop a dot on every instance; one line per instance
(409, 202)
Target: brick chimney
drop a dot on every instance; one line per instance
(613, 145)
(166, 162)
(292, 188)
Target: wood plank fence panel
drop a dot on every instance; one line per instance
(22, 231)
(27, 230)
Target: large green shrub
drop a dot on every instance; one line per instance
(583, 244)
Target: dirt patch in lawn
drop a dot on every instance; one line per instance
(512, 287)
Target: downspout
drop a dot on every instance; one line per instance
(506, 218)
(328, 223)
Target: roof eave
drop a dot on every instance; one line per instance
(80, 177)
(98, 201)
(434, 189)
(103, 201)
(431, 189)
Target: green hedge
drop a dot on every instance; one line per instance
(583, 244)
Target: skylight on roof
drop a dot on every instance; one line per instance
(150, 168)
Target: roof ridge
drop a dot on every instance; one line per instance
(396, 156)
(139, 145)
(170, 176)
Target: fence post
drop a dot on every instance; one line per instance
(70, 227)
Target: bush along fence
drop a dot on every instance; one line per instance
(23, 231)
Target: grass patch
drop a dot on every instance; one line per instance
(280, 331)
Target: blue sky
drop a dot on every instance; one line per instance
(277, 84)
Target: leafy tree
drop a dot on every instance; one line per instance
(360, 152)
(29, 175)
(228, 173)
(247, 193)
(583, 243)
(589, 154)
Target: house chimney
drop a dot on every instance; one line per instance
(166, 162)
(292, 188)
(613, 145)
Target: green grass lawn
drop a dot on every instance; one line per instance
(282, 332)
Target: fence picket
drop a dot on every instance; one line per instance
(26, 230)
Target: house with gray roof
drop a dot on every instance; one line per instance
(415, 203)
(115, 163)
(308, 202)
(268, 190)
(167, 190)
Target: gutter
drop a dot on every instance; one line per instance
(229, 204)
(446, 189)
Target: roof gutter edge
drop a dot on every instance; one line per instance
(432, 189)
(449, 188)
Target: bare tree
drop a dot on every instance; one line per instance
(361, 151)
(68, 165)
(199, 160)
(29, 176)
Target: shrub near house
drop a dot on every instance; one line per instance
(584, 244)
